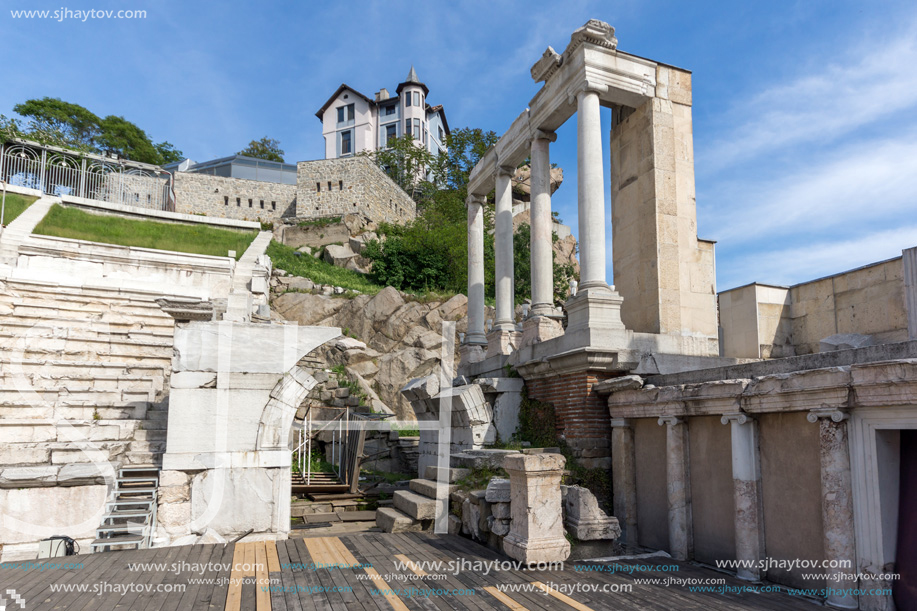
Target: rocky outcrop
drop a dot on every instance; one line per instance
(402, 336)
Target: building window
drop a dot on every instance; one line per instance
(425, 136)
(390, 132)
(238, 202)
(262, 204)
(346, 144)
(341, 185)
(416, 98)
(345, 113)
(329, 185)
(273, 205)
(389, 110)
(407, 127)
(249, 202)
(318, 187)
(416, 129)
(442, 135)
(407, 99)
(225, 200)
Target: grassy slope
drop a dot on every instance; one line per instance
(199, 239)
(285, 258)
(15, 205)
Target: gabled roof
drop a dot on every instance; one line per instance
(442, 113)
(321, 111)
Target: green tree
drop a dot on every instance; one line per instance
(168, 153)
(120, 136)
(522, 269)
(266, 148)
(407, 164)
(76, 125)
(466, 146)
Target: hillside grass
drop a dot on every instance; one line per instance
(300, 264)
(16, 205)
(76, 224)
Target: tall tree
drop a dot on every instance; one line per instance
(168, 153)
(406, 164)
(77, 124)
(266, 148)
(118, 135)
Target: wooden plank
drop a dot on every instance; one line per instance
(503, 598)
(234, 595)
(273, 559)
(562, 597)
(262, 595)
(381, 586)
(198, 596)
(220, 589)
(198, 555)
(305, 577)
(335, 600)
(132, 600)
(363, 587)
(157, 600)
(342, 553)
(411, 565)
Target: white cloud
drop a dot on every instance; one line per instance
(869, 83)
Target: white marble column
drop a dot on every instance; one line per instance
(590, 177)
(678, 487)
(503, 250)
(542, 226)
(624, 476)
(746, 478)
(475, 334)
(836, 504)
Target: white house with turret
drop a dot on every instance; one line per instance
(353, 122)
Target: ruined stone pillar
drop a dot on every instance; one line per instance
(475, 334)
(590, 178)
(909, 261)
(542, 226)
(678, 487)
(746, 479)
(537, 528)
(624, 475)
(503, 250)
(836, 503)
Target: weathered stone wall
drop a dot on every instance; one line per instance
(652, 502)
(129, 189)
(868, 301)
(334, 187)
(711, 489)
(791, 482)
(236, 198)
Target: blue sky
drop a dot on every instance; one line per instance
(805, 129)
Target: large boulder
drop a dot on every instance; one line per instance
(305, 308)
(338, 255)
(522, 182)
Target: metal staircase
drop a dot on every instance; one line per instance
(130, 516)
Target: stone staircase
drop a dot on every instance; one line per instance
(95, 358)
(415, 509)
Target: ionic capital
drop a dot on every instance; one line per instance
(506, 170)
(475, 200)
(540, 134)
(834, 414)
(669, 420)
(583, 87)
(737, 417)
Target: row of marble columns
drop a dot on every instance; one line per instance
(591, 210)
(836, 493)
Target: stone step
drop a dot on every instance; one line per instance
(432, 472)
(25, 410)
(428, 488)
(51, 309)
(45, 339)
(77, 381)
(393, 521)
(143, 458)
(145, 434)
(66, 396)
(105, 368)
(415, 505)
(153, 447)
(157, 415)
(160, 356)
(21, 288)
(87, 327)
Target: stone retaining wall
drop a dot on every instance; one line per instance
(237, 198)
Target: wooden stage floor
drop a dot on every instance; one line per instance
(366, 572)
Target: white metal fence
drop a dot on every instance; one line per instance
(57, 173)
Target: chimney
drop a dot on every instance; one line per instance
(383, 94)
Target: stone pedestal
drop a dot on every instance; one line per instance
(471, 353)
(501, 341)
(746, 478)
(624, 478)
(539, 329)
(678, 486)
(837, 504)
(537, 530)
(596, 309)
(584, 519)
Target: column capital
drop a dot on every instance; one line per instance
(540, 134)
(737, 417)
(475, 199)
(582, 87)
(835, 414)
(506, 170)
(670, 420)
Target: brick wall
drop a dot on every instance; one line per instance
(582, 416)
(234, 198)
(334, 187)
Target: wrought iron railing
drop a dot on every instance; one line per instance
(61, 173)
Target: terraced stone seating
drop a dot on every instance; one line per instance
(415, 509)
(95, 358)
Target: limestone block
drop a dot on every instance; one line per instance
(84, 473)
(233, 501)
(175, 518)
(506, 414)
(32, 514)
(499, 527)
(349, 343)
(297, 283)
(584, 519)
(27, 433)
(20, 455)
(536, 532)
(455, 524)
(420, 389)
(173, 478)
(501, 511)
(471, 518)
(498, 491)
(28, 476)
(174, 494)
(501, 384)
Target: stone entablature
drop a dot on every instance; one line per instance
(335, 187)
(236, 198)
